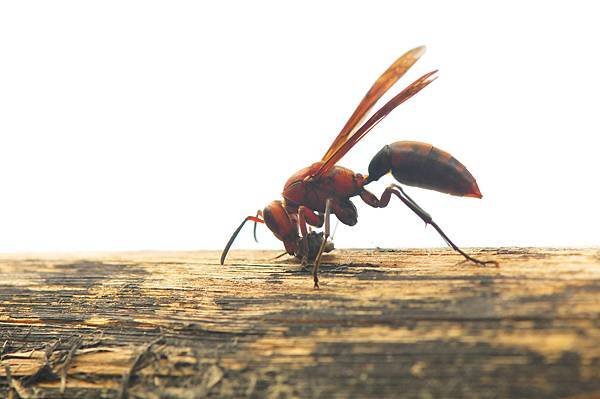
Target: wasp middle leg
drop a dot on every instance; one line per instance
(326, 232)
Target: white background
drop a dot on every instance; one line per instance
(160, 125)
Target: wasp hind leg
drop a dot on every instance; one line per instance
(395, 189)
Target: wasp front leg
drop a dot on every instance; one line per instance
(307, 216)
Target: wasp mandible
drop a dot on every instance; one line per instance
(312, 194)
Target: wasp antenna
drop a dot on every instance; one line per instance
(258, 213)
(280, 255)
(235, 233)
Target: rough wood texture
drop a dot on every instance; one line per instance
(409, 323)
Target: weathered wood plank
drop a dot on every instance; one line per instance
(411, 323)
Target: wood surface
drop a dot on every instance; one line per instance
(385, 324)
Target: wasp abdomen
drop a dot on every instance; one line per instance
(423, 165)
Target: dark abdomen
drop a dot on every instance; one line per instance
(422, 165)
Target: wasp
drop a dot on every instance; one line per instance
(312, 194)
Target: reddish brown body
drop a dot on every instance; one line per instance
(305, 195)
(410, 162)
(339, 184)
(312, 193)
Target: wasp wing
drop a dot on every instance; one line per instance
(381, 85)
(401, 97)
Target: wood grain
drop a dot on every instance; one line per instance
(409, 323)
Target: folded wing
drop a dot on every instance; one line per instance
(349, 142)
(381, 85)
